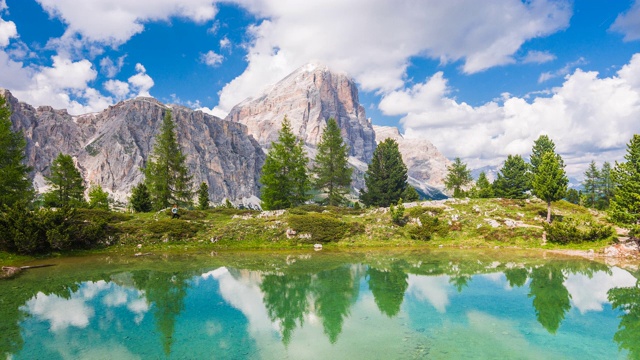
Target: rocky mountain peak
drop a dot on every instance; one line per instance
(309, 97)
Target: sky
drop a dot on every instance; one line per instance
(479, 79)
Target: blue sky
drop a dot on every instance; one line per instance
(479, 79)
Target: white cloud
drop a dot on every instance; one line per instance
(538, 57)
(141, 82)
(119, 89)
(377, 52)
(59, 312)
(565, 70)
(211, 58)
(588, 117)
(8, 31)
(113, 22)
(434, 289)
(110, 68)
(628, 23)
(225, 43)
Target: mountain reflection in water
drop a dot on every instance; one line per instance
(262, 305)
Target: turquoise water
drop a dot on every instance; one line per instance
(411, 305)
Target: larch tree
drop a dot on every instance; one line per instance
(98, 198)
(550, 180)
(14, 174)
(285, 182)
(458, 176)
(66, 184)
(483, 188)
(513, 180)
(625, 203)
(591, 185)
(607, 186)
(166, 174)
(386, 176)
(332, 172)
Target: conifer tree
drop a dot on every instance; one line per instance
(410, 194)
(542, 145)
(285, 182)
(98, 198)
(591, 185)
(14, 175)
(140, 198)
(458, 176)
(386, 176)
(625, 204)
(483, 188)
(166, 173)
(513, 179)
(550, 181)
(203, 196)
(606, 185)
(67, 185)
(332, 171)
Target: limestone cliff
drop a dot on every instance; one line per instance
(111, 146)
(309, 97)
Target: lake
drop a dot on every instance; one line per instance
(322, 305)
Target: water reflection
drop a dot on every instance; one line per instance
(319, 306)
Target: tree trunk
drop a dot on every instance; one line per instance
(549, 212)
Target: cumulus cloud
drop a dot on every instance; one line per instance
(119, 89)
(628, 23)
(110, 68)
(292, 33)
(141, 82)
(225, 43)
(588, 117)
(211, 58)
(538, 57)
(8, 31)
(113, 22)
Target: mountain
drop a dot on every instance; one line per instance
(426, 166)
(110, 147)
(309, 97)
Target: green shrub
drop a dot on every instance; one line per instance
(322, 227)
(173, 229)
(429, 226)
(569, 230)
(102, 215)
(42, 230)
(397, 213)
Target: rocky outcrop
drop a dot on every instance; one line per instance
(426, 166)
(110, 147)
(309, 97)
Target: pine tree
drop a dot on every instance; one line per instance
(513, 180)
(606, 185)
(542, 145)
(140, 198)
(67, 185)
(591, 185)
(573, 196)
(410, 194)
(203, 196)
(625, 204)
(483, 188)
(166, 173)
(98, 198)
(332, 171)
(284, 174)
(550, 181)
(458, 176)
(14, 175)
(386, 176)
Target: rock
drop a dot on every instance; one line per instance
(317, 247)
(493, 223)
(426, 166)
(624, 250)
(510, 223)
(290, 233)
(110, 147)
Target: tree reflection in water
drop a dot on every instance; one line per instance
(388, 287)
(551, 300)
(628, 334)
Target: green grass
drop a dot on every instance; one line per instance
(231, 229)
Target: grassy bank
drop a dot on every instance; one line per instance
(469, 223)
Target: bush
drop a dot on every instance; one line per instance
(397, 213)
(429, 226)
(102, 215)
(28, 232)
(173, 229)
(323, 228)
(570, 230)
(417, 211)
